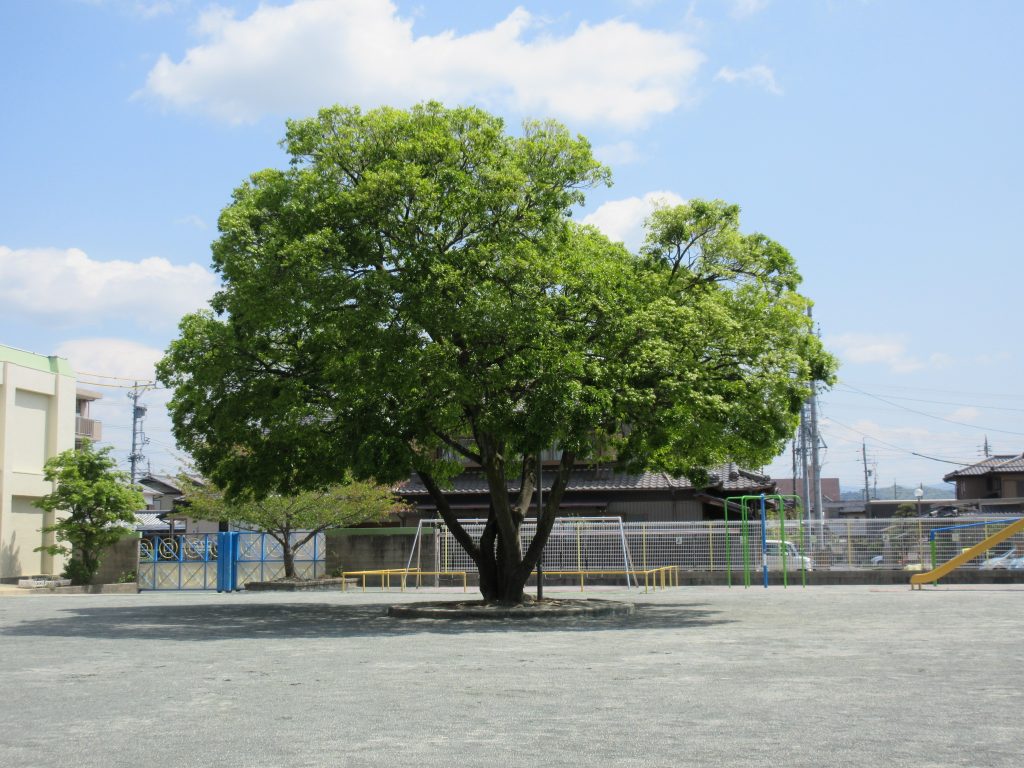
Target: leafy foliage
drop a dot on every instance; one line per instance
(305, 514)
(99, 505)
(413, 287)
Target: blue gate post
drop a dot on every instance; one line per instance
(227, 561)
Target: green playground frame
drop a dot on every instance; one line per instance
(745, 503)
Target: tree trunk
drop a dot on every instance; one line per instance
(503, 566)
(287, 553)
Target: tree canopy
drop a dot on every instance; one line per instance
(413, 287)
(96, 503)
(294, 520)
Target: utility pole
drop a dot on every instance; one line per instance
(819, 503)
(139, 439)
(864, 459)
(805, 490)
(986, 448)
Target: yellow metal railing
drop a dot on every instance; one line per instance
(403, 574)
(654, 578)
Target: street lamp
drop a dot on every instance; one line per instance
(919, 494)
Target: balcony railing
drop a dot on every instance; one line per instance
(88, 428)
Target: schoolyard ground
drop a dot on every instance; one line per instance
(700, 676)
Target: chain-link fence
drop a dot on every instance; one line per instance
(604, 544)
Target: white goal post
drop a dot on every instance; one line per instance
(576, 544)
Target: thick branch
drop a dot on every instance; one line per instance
(459, 448)
(527, 486)
(445, 510)
(547, 518)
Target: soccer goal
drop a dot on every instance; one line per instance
(575, 545)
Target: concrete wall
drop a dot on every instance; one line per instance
(117, 559)
(359, 549)
(37, 421)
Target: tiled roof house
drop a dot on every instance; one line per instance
(645, 497)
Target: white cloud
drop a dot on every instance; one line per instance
(744, 9)
(967, 413)
(111, 357)
(129, 360)
(194, 221)
(66, 285)
(296, 58)
(623, 220)
(863, 348)
(758, 75)
(619, 153)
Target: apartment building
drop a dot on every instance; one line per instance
(39, 418)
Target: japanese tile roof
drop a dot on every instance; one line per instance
(153, 521)
(992, 464)
(727, 477)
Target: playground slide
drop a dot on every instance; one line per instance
(968, 555)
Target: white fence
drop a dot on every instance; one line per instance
(596, 544)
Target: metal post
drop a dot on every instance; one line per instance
(764, 543)
(540, 511)
(783, 549)
(643, 538)
(579, 553)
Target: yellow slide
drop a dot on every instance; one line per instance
(985, 544)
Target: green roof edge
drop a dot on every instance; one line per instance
(45, 363)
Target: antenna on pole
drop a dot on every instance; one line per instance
(139, 439)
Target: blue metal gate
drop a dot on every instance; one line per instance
(222, 561)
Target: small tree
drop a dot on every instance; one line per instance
(306, 514)
(99, 502)
(906, 509)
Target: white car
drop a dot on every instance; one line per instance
(999, 560)
(794, 560)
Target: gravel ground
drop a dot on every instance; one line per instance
(702, 676)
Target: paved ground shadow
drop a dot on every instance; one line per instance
(209, 621)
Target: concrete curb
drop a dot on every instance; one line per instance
(313, 585)
(130, 588)
(480, 610)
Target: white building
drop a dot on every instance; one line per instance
(38, 406)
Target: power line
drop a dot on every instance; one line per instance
(897, 447)
(935, 402)
(1014, 396)
(933, 416)
(108, 376)
(144, 384)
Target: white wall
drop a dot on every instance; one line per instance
(37, 421)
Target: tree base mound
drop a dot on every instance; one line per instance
(298, 585)
(479, 609)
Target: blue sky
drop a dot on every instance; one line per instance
(878, 141)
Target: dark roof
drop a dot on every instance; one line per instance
(727, 477)
(1012, 462)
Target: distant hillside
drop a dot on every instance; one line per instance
(849, 493)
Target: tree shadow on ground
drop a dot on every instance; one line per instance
(235, 621)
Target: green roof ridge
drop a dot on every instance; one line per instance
(45, 363)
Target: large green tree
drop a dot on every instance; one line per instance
(97, 505)
(295, 519)
(413, 287)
